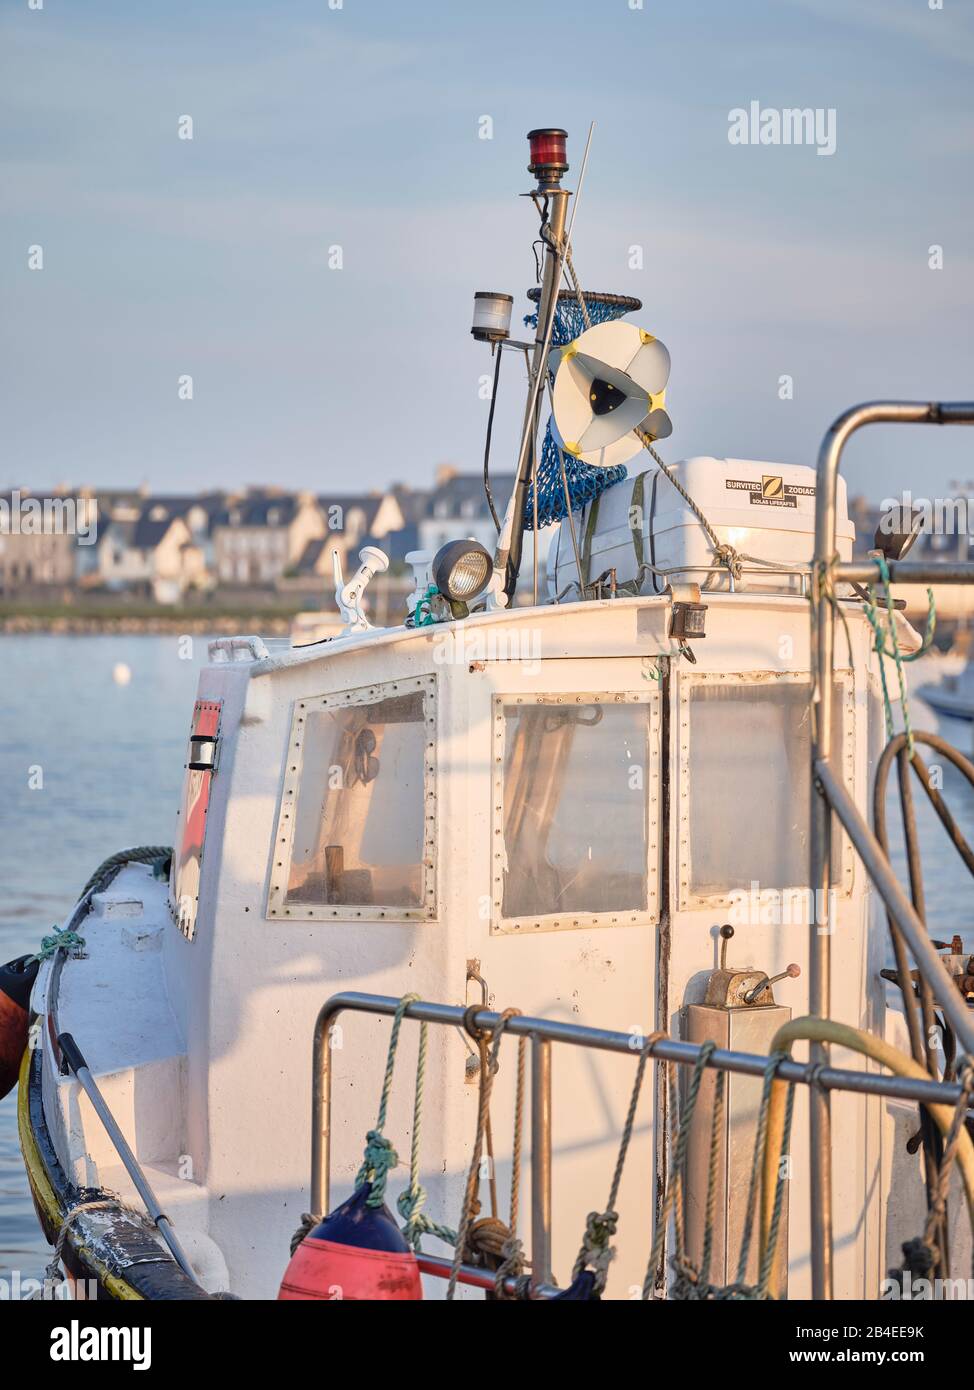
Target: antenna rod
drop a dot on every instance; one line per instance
(548, 162)
(581, 180)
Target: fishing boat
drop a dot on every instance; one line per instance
(596, 839)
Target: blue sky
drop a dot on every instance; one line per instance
(358, 126)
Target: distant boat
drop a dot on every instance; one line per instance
(953, 694)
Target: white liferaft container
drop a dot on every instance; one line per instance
(762, 509)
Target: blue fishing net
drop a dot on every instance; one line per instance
(584, 482)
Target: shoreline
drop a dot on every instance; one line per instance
(275, 623)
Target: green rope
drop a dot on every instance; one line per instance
(755, 1183)
(764, 1273)
(423, 612)
(380, 1157)
(879, 634)
(597, 1250)
(716, 1143)
(58, 941)
(692, 1283)
(410, 1202)
(512, 1252)
(678, 1156)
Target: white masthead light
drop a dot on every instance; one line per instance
(491, 316)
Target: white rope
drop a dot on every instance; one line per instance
(52, 1273)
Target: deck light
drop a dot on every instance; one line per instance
(898, 530)
(689, 616)
(461, 570)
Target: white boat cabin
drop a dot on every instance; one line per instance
(565, 801)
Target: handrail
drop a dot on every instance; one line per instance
(237, 649)
(906, 572)
(826, 789)
(543, 1032)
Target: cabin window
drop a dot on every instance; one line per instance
(355, 833)
(575, 810)
(745, 752)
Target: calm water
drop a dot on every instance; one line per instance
(111, 758)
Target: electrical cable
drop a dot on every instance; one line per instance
(490, 430)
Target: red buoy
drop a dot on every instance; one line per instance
(357, 1254)
(16, 982)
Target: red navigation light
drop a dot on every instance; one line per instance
(549, 155)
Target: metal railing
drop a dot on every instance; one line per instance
(830, 796)
(542, 1033)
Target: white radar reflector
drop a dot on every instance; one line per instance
(610, 382)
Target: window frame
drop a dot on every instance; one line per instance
(577, 921)
(688, 900)
(277, 906)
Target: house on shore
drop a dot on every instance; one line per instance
(41, 538)
(260, 537)
(199, 512)
(154, 556)
(351, 521)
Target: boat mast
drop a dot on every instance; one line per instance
(548, 164)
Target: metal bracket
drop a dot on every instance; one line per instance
(348, 596)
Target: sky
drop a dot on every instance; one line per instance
(318, 124)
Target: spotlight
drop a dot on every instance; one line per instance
(461, 570)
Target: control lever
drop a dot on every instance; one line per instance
(790, 972)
